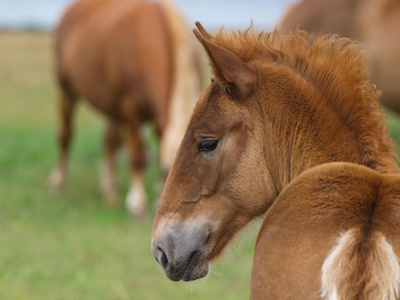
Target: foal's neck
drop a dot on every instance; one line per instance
(303, 131)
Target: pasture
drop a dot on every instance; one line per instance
(70, 245)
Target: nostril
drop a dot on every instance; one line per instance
(162, 258)
(208, 237)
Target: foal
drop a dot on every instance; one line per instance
(278, 105)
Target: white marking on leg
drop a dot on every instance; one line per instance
(57, 178)
(108, 183)
(136, 198)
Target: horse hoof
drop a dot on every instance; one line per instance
(141, 216)
(57, 180)
(110, 195)
(136, 208)
(138, 213)
(110, 200)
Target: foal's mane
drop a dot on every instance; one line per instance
(336, 67)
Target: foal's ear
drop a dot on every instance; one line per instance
(228, 68)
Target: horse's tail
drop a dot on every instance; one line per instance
(361, 267)
(187, 81)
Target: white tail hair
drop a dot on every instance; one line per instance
(186, 85)
(361, 267)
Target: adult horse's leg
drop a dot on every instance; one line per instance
(66, 109)
(112, 142)
(136, 198)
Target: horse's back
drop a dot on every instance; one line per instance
(308, 221)
(327, 16)
(104, 47)
(81, 44)
(380, 24)
(374, 23)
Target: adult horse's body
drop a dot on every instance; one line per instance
(375, 23)
(332, 233)
(278, 106)
(126, 58)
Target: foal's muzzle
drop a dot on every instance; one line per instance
(183, 251)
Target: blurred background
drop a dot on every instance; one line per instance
(71, 245)
(212, 14)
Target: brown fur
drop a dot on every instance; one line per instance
(322, 61)
(303, 227)
(278, 105)
(121, 56)
(375, 23)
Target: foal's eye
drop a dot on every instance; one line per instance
(208, 145)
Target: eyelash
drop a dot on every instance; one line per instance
(207, 145)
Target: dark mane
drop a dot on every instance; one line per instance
(336, 68)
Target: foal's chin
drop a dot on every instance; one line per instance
(193, 271)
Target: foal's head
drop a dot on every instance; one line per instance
(218, 182)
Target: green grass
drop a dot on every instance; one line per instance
(394, 123)
(72, 246)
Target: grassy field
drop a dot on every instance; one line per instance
(71, 246)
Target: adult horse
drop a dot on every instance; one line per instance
(127, 59)
(375, 23)
(332, 233)
(278, 105)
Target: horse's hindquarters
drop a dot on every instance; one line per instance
(287, 263)
(332, 231)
